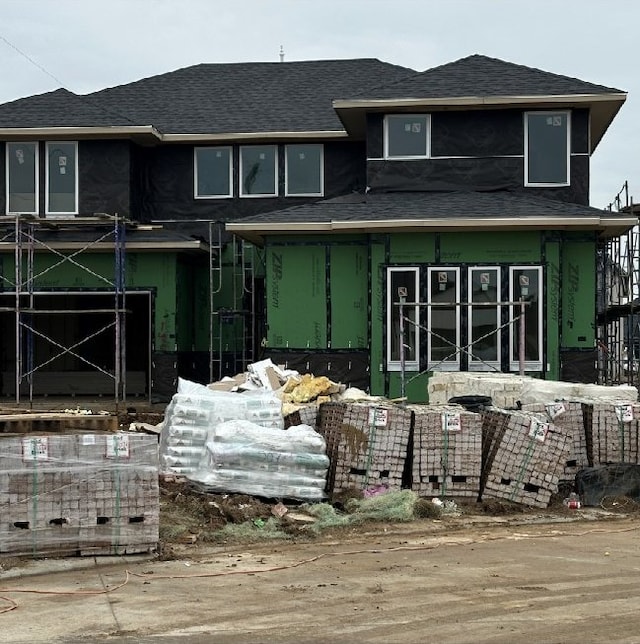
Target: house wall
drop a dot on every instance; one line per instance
(481, 149)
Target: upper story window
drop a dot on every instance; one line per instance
(258, 171)
(304, 170)
(213, 169)
(22, 178)
(546, 148)
(406, 136)
(61, 197)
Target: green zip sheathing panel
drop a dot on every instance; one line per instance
(296, 297)
(552, 254)
(578, 294)
(408, 248)
(490, 248)
(349, 288)
(184, 308)
(378, 259)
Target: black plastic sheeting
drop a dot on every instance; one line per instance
(595, 485)
(350, 368)
(164, 376)
(579, 365)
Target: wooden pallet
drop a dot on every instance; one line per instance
(56, 423)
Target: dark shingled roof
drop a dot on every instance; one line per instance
(59, 108)
(482, 76)
(248, 97)
(425, 205)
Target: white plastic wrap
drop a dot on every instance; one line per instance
(244, 458)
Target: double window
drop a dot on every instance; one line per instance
(258, 171)
(547, 148)
(464, 318)
(407, 136)
(61, 178)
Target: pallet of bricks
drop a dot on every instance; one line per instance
(78, 494)
(367, 445)
(524, 457)
(612, 432)
(447, 451)
(569, 416)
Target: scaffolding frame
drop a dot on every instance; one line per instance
(24, 231)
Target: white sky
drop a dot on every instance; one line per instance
(92, 44)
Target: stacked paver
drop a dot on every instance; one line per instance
(447, 451)
(367, 445)
(79, 494)
(525, 456)
(612, 432)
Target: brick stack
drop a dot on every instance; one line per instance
(447, 451)
(568, 416)
(525, 457)
(305, 415)
(612, 432)
(366, 444)
(79, 494)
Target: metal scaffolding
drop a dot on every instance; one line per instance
(31, 236)
(618, 300)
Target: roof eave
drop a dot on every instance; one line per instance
(141, 132)
(252, 136)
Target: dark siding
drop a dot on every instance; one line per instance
(3, 180)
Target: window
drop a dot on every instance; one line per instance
(406, 136)
(402, 282)
(525, 282)
(258, 171)
(304, 171)
(546, 148)
(213, 177)
(22, 178)
(62, 178)
(443, 321)
(484, 318)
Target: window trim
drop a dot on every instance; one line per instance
(409, 365)
(60, 214)
(286, 171)
(427, 133)
(195, 171)
(530, 184)
(36, 166)
(448, 365)
(241, 192)
(485, 365)
(529, 365)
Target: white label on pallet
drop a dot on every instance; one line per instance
(624, 413)
(35, 448)
(555, 409)
(538, 430)
(378, 416)
(88, 439)
(451, 422)
(118, 446)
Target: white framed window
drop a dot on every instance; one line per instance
(21, 170)
(259, 171)
(403, 281)
(443, 321)
(483, 321)
(213, 172)
(547, 148)
(525, 282)
(304, 170)
(61, 172)
(407, 136)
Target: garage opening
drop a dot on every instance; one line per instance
(67, 343)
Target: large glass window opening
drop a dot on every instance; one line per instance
(258, 171)
(484, 318)
(525, 284)
(403, 282)
(406, 136)
(443, 321)
(213, 169)
(304, 170)
(62, 178)
(547, 148)
(22, 178)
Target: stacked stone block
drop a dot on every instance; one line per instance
(613, 430)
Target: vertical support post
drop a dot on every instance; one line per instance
(521, 338)
(31, 231)
(119, 283)
(401, 331)
(18, 286)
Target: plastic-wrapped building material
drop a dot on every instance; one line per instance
(79, 494)
(244, 458)
(195, 410)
